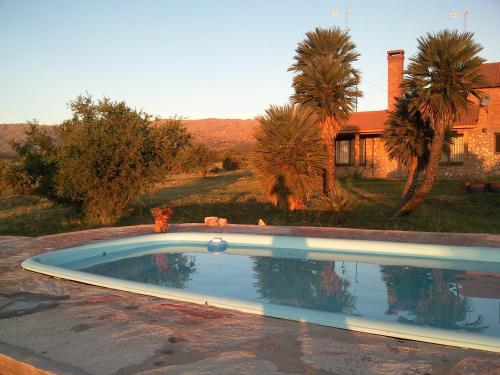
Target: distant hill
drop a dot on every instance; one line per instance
(221, 134)
(13, 132)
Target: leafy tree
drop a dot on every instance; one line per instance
(408, 140)
(442, 76)
(110, 153)
(229, 163)
(288, 156)
(35, 168)
(195, 157)
(326, 83)
(165, 269)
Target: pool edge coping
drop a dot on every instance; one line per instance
(373, 327)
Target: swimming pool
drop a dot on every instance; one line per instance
(440, 294)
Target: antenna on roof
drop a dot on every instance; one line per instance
(456, 14)
(335, 13)
(347, 11)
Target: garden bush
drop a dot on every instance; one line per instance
(229, 163)
(109, 154)
(195, 158)
(34, 169)
(289, 156)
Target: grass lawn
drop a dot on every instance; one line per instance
(237, 196)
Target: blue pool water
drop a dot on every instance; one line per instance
(454, 295)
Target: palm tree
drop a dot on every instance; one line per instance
(326, 84)
(428, 298)
(286, 155)
(407, 140)
(302, 283)
(443, 75)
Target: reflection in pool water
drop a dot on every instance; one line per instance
(170, 270)
(422, 296)
(430, 297)
(303, 283)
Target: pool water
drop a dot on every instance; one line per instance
(458, 296)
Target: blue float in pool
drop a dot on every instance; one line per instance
(217, 245)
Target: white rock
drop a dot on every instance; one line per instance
(212, 221)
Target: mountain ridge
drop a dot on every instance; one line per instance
(217, 133)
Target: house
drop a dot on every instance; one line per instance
(475, 151)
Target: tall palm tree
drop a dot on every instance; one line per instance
(443, 75)
(302, 283)
(407, 140)
(428, 299)
(326, 83)
(288, 155)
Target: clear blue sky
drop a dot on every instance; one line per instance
(200, 59)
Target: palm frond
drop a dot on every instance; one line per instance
(444, 74)
(325, 81)
(288, 154)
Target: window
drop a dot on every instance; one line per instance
(362, 151)
(497, 143)
(456, 153)
(344, 152)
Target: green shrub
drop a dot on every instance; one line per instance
(340, 200)
(195, 157)
(289, 156)
(230, 164)
(34, 169)
(357, 173)
(110, 153)
(6, 187)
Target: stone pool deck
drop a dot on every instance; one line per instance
(55, 326)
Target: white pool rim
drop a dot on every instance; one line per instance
(49, 264)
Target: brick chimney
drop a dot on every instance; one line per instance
(395, 68)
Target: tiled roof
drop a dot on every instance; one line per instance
(374, 121)
(366, 122)
(491, 72)
(468, 117)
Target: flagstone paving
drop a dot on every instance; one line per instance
(48, 325)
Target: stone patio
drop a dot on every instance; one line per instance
(56, 326)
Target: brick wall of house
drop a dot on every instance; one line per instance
(480, 158)
(395, 68)
(377, 163)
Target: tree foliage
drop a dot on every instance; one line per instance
(443, 75)
(407, 140)
(441, 78)
(110, 153)
(289, 156)
(407, 135)
(195, 157)
(326, 84)
(35, 167)
(230, 163)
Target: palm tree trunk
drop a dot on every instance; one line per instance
(330, 172)
(429, 177)
(329, 135)
(410, 184)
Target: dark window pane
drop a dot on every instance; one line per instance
(343, 152)
(456, 151)
(362, 151)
